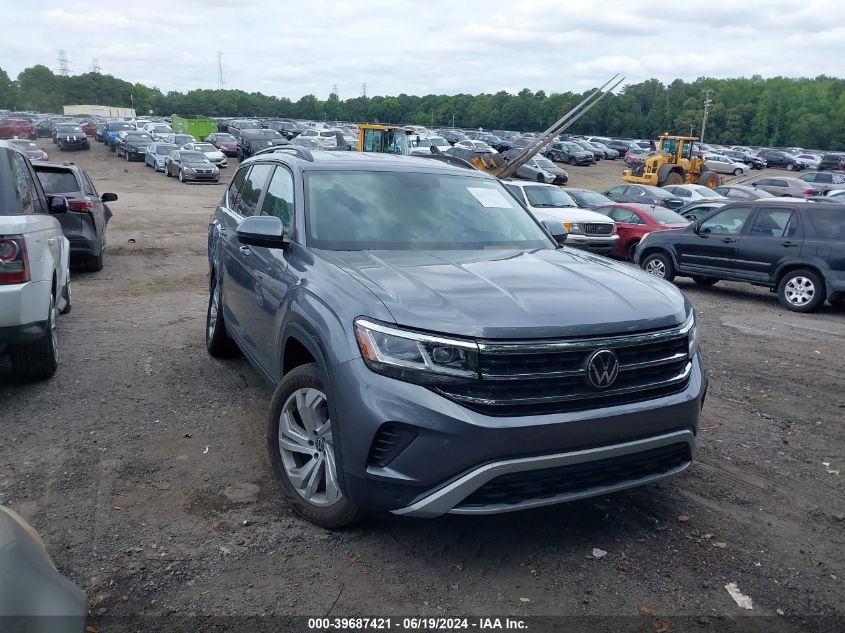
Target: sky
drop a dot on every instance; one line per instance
(420, 47)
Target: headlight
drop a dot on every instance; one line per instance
(414, 356)
(188, 169)
(574, 228)
(692, 334)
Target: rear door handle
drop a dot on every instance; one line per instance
(788, 244)
(245, 250)
(728, 240)
(51, 241)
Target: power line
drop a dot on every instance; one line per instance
(64, 71)
(220, 81)
(95, 66)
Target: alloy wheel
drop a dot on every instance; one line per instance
(799, 291)
(306, 446)
(656, 267)
(213, 310)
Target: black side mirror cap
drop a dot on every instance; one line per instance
(58, 204)
(264, 230)
(556, 229)
(108, 197)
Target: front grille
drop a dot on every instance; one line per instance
(533, 377)
(516, 488)
(598, 228)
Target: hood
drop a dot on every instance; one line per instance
(572, 214)
(514, 294)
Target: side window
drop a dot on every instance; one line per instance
(623, 215)
(773, 223)
(618, 190)
(635, 191)
(765, 181)
(778, 183)
(25, 189)
(235, 187)
(812, 177)
(683, 193)
(727, 222)
(253, 186)
(825, 178)
(279, 198)
(88, 186)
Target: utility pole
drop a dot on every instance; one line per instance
(453, 119)
(707, 101)
(64, 71)
(432, 117)
(364, 90)
(220, 81)
(334, 91)
(132, 100)
(95, 66)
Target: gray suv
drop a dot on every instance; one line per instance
(434, 350)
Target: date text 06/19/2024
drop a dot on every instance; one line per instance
(416, 624)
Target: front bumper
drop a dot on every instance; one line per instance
(457, 449)
(594, 243)
(139, 154)
(201, 177)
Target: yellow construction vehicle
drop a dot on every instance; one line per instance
(672, 164)
(384, 139)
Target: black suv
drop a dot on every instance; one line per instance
(88, 215)
(777, 158)
(794, 247)
(434, 349)
(832, 162)
(252, 141)
(569, 152)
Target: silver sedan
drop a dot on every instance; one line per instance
(725, 165)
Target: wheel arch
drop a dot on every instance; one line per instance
(656, 248)
(668, 168)
(787, 267)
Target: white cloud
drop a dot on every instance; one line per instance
(429, 46)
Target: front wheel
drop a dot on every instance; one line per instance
(301, 439)
(737, 172)
(801, 290)
(217, 340)
(572, 161)
(40, 359)
(181, 177)
(659, 265)
(790, 167)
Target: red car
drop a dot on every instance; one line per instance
(633, 221)
(11, 128)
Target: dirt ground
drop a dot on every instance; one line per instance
(143, 465)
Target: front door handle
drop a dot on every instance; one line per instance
(788, 244)
(51, 241)
(244, 250)
(728, 240)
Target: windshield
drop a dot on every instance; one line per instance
(57, 181)
(352, 210)
(205, 147)
(544, 162)
(193, 157)
(548, 197)
(225, 138)
(25, 144)
(162, 128)
(656, 192)
(306, 142)
(439, 141)
(165, 150)
(70, 129)
(706, 192)
(138, 138)
(182, 139)
(423, 142)
(665, 216)
(120, 126)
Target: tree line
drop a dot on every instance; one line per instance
(778, 111)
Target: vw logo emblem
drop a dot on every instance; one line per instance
(602, 368)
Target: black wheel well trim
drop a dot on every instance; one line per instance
(652, 249)
(788, 267)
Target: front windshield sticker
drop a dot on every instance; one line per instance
(490, 197)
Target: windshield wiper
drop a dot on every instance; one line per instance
(545, 205)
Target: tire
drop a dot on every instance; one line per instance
(181, 177)
(325, 504)
(572, 161)
(737, 172)
(60, 147)
(790, 167)
(66, 295)
(705, 281)
(217, 340)
(126, 154)
(659, 265)
(630, 251)
(801, 290)
(94, 263)
(40, 359)
(673, 178)
(167, 171)
(709, 179)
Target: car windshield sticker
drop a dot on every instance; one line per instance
(490, 197)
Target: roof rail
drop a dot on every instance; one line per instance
(301, 152)
(447, 158)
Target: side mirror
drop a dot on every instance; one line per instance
(262, 230)
(108, 197)
(58, 204)
(695, 226)
(556, 229)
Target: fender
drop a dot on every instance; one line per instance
(815, 263)
(662, 248)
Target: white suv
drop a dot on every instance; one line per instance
(34, 273)
(585, 229)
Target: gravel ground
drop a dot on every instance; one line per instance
(142, 463)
